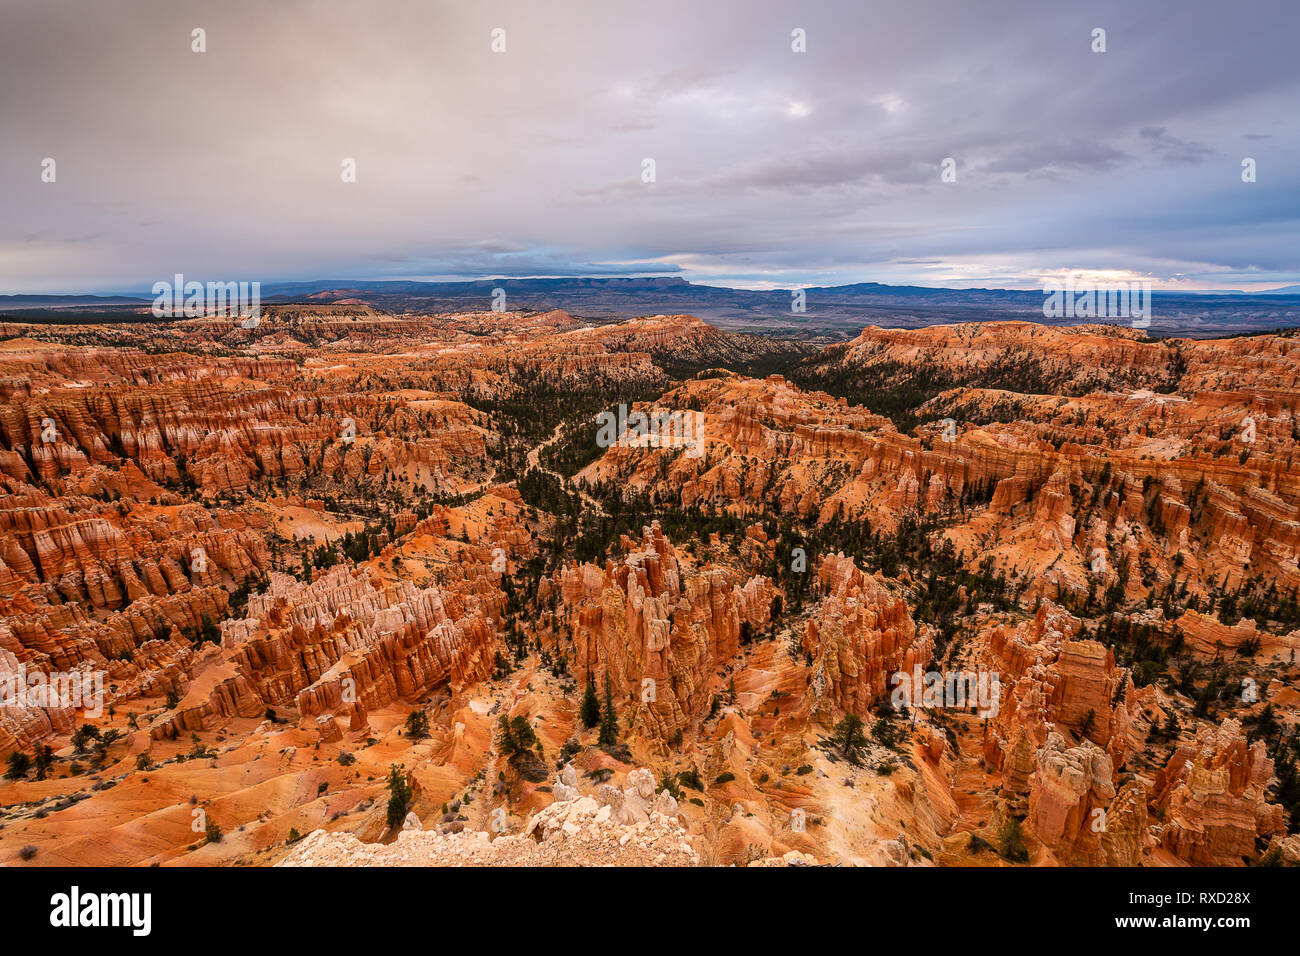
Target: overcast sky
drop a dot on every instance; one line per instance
(772, 168)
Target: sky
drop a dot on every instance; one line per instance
(772, 168)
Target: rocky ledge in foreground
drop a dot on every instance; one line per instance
(613, 828)
(578, 832)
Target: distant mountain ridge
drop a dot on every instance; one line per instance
(830, 313)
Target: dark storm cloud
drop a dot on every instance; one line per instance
(770, 165)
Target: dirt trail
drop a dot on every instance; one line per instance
(534, 461)
(973, 787)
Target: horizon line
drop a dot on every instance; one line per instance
(329, 284)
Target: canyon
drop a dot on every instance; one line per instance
(363, 587)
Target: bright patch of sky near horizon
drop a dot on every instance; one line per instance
(773, 168)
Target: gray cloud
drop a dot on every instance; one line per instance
(1058, 155)
(1171, 148)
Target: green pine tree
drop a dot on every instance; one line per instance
(1089, 722)
(507, 743)
(417, 725)
(399, 795)
(522, 730)
(849, 736)
(19, 764)
(608, 718)
(589, 713)
(44, 761)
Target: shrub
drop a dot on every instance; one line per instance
(668, 784)
(1013, 842)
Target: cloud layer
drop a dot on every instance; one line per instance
(771, 167)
